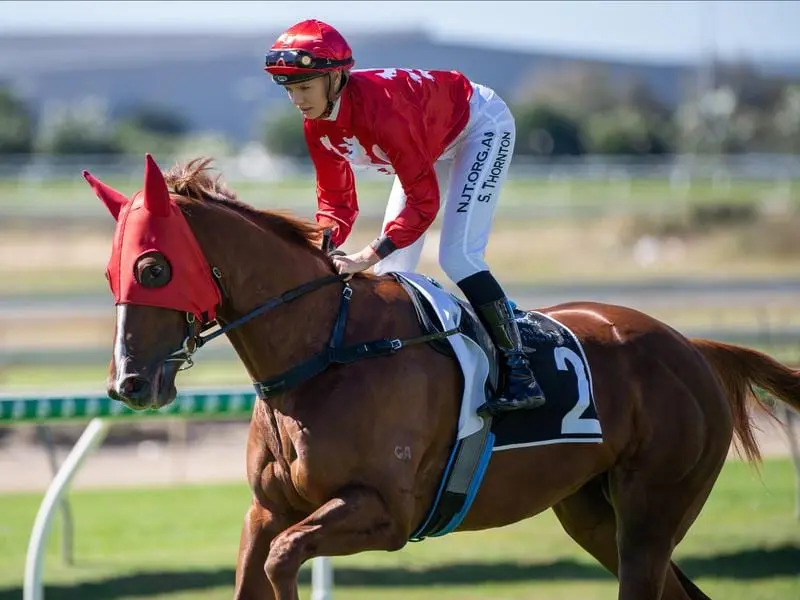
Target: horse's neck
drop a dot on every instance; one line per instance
(259, 267)
(303, 328)
(289, 334)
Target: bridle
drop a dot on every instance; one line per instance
(333, 353)
(194, 338)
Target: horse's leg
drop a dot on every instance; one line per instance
(647, 522)
(694, 592)
(356, 520)
(653, 516)
(258, 531)
(589, 519)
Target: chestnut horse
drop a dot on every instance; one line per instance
(321, 457)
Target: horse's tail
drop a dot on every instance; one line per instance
(739, 369)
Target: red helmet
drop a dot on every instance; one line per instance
(307, 50)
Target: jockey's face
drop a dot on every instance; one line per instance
(310, 97)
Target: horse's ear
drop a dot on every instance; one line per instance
(113, 199)
(156, 194)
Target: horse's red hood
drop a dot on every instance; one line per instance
(152, 222)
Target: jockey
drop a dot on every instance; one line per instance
(417, 125)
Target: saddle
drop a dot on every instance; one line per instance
(468, 324)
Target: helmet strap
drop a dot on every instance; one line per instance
(332, 93)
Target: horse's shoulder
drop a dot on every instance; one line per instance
(388, 302)
(389, 289)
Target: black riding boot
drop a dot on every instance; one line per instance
(521, 390)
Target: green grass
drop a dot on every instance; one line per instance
(181, 543)
(568, 196)
(54, 280)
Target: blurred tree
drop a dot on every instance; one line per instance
(583, 89)
(636, 95)
(156, 119)
(546, 131)
(131, 139)
(740, 114)
(16, 124)
(626, 131)
(151, 128)
(576, 88)
(283, 133)
(598, 112)
(211, 144)
(758, 98)
(706, 124)
(755, 91)
(80, 128)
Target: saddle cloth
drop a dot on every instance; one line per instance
(556, 356)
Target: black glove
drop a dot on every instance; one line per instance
(327, 244)
(327, 240)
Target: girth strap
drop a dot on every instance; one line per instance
(334, 353)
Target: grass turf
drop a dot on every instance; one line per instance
(180, 543)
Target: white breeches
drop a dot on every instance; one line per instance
(474, 168)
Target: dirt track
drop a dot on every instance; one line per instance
(217, 456)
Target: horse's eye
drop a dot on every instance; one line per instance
(153, 270)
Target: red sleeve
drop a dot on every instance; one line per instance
(337, 204)
(409, 157)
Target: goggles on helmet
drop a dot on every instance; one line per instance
(301, 59)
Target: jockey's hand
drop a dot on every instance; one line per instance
(355, 263)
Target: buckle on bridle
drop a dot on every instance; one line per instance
(184, 353)
(189, 346)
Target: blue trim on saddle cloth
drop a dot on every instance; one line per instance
(445, 476)
(474, 485)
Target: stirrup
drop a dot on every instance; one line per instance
(501, 404)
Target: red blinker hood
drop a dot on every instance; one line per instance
(152, 222)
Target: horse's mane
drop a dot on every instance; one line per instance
(193, 180)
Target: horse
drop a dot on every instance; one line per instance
(350, 456)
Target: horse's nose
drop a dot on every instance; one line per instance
(135, 389)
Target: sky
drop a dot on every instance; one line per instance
(647, 30)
